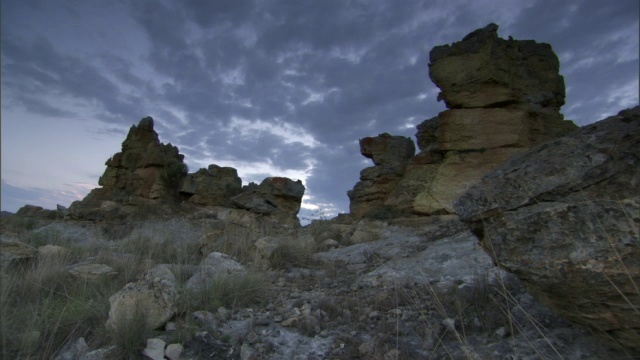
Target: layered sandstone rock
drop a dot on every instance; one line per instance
(390, 154)
(503, 96)
(565, 218)
(145, 172)
(214, 186)
(276, 196)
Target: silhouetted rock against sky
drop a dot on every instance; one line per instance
(148, 177)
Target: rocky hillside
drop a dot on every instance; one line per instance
(506, 237)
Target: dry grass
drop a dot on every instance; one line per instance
(43, 307)
(231, 291)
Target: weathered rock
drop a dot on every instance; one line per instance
(215, 264)
(152, 299)
(63, 210)
(277, 196)
(92, 272)
(386, 149)
(390, 154)
(265, 246)
(29, 210)
(212, 186)
(145, 172)
(504, 97)
(454, 175)
(452, 261)
(173, 351)
(73, 350)
(483, 70)
(13, 253)
(154, 349)
(564, 218)
(52, 251)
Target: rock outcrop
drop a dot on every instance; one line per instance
(214, 186)
(565, 218)
(276, 196)
(145, 172)
(148, 177)
(390, 155)
(503, 96)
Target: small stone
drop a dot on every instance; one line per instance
(449, 324)
(396, 312)
(392, 355)
(292, 321)
(224, 313)
(262, 321)
(502, 332)
(246, 352)
(252, 338)
(170, 326)
(155, 349)
(173, 351)
(374, 315)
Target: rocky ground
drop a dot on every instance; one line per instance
(373, 289)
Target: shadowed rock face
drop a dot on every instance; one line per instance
(146, 172)
(276, 196)
(503, 98)
(565, 218)
(214, 186)
(390, 154)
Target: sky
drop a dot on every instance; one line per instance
(271, 88)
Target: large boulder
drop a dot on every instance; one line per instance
(565, 218)
(214, 186)
(152, 300)
(145, 172)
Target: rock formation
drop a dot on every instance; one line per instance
(145, 172)
(503, 96)
(213, 186)
(277, 196)
(565, 218)
(390, 155)
(149, 177)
